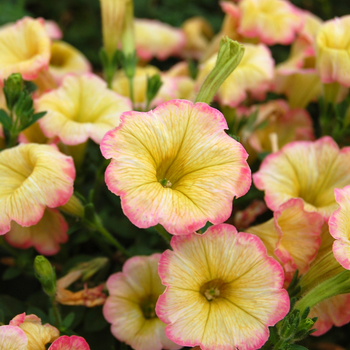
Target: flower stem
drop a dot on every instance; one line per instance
(161, 230)
(56, 312)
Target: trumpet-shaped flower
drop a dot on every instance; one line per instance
(130, 306)
(333, 49)
(214, 283)
(292, 237)
(81, 108)
(168, 41)
(271, 21)
(66, 59)
(32, 177)
(339, 227)
(305, 169)
(45, 236)
(175, 166)
(25, 49)
(252, 75)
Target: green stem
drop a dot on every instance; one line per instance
(56, 312)
(131, 90)
(161, 230)
(100, 228)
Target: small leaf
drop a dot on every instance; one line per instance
(5, 120)
(297, 347)
(33, 119)
(30, 86)
(10, 273)
(73, 229)
(67, 322)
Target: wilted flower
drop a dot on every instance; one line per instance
(66, 59)
(175, 166)
(168, 41)
(130, 306)
(275, 122)
(333, 49)
(88, 297)
(252, 75)
(32, 178)
(214, 283)
(307, 170)
(292, 237)
(25, 48)
(81, 108)
(270, 21)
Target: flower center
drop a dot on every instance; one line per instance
(148, 307)
(165, 183)
(211, 290)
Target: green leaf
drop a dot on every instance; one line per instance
(33, 120)
(297, 347)
(5, 120)
(10, 273)
(67, 322)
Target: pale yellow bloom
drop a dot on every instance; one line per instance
(130, 307)
(81, 108)
(333, 50)
(25, 49)
(156, 39)
(66, 59)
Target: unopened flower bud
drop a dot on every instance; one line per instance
(12, 89)
(45, 273)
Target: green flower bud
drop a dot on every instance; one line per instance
(45, 273)
(229, 56)
(13, 86)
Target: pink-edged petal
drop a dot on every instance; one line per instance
(184, 145)
(32, 177)
(81, 108)
(45, 236)
(306, 170)
(69, 343)
(12, 338)
(237, 267)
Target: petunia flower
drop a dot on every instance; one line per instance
(25, 332)
(69, 343)
(333, 49)
(25, 49)
(175, 166)
(32, 178)
(130, 307)
(307, 170)
(270, 21)
(66, 59)
(339, 227)
(292, 237)
(168, 41)
(53, 30)
(252, 75)
(81, 108)
(214, 283)
(45, 236)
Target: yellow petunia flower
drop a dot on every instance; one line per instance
(176, 166)
(130, 307)
(25, 48)
(223, 291)
(307, 170)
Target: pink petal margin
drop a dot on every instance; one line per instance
(69, 343)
